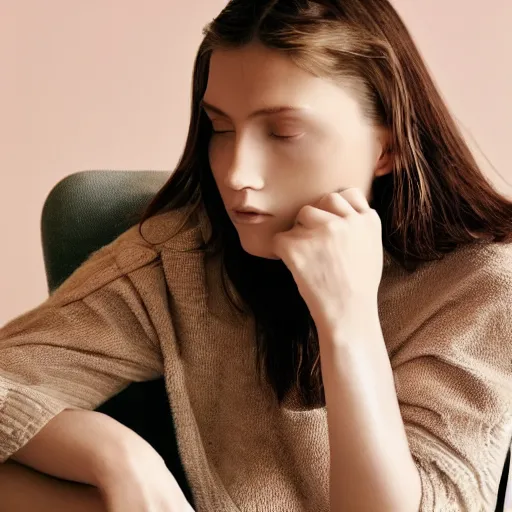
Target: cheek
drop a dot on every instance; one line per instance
(311, 166)
(220, 152)
(336, 164)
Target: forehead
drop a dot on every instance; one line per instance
(254, 76)
(253, 65)
(242, 81)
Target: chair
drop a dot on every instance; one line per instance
(84, 212)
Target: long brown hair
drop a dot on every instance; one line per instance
(435, 200)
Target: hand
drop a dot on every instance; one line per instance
(335, 254)
(154, 489)
(143, 485)
(157, 491)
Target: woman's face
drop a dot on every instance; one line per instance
(283, 139)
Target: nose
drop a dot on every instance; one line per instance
(246, 168)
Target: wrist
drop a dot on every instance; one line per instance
(130, 476)
(125, 457)
(358, 318)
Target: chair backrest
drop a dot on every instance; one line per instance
(82, 213)
(504, 501)
(88, 210)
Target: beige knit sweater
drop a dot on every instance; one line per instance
(135, 311)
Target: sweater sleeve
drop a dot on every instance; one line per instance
(454, 384)
(84, 344)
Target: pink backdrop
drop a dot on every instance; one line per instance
(105, 84)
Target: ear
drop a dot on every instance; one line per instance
(384, 163)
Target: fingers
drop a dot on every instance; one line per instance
(337, 204)
(345, 202)
(357, 199)
(325, 213)
(311, 216)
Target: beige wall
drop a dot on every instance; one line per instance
(105, 84)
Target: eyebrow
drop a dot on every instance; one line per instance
(258, 113)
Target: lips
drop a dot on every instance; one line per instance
(248, 210)
(249, 215)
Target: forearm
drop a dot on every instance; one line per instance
(22, 488)
(371, 465)
(84, 446)
(92, 448)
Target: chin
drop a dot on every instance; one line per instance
(258, 249)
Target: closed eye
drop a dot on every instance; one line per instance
(286, 137)
(273, 135)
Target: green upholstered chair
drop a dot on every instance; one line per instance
(82, 213)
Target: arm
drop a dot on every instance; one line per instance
(451, 362)
(24, 489)
(92, 448)
(84, 344)
(334, 253)
(90, 339)
(364, 421)
(86, 447)
(453, 379)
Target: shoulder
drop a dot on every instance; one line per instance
(482, 269)
(494, 258)
(180, 229)
(486, 267)
(138, 247)
(467, 295)
(470, 290)
(448, 334)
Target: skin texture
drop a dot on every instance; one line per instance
(24, 489)
(312, 170)
(335, 256)
(332, 146)
(123, 472)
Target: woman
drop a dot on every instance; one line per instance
(325, 283)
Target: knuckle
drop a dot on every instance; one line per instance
(330, 199)
(306, 210)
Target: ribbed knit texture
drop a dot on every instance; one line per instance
(135, 310)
